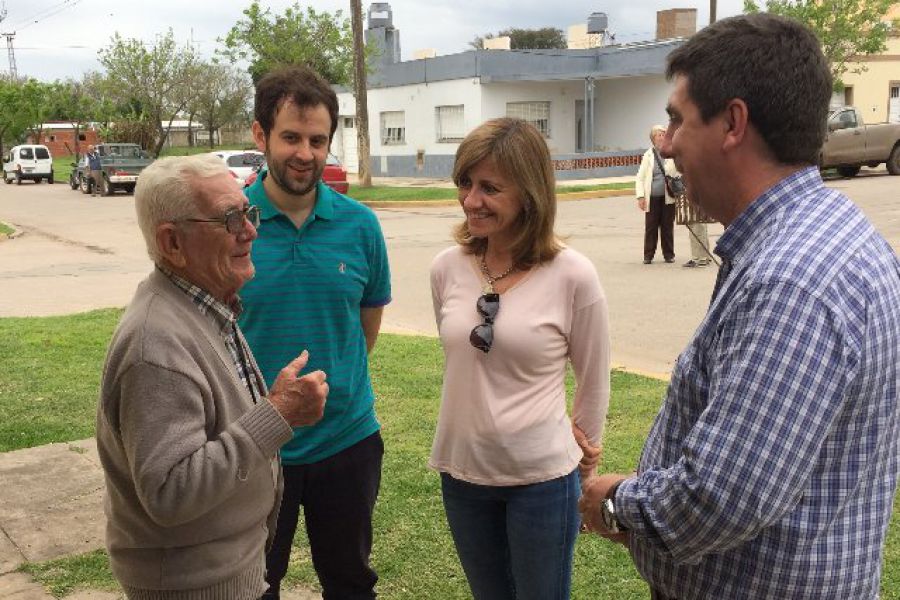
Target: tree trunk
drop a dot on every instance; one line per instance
(359, 84)
(712, 11)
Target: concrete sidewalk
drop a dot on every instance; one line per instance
(51, 506)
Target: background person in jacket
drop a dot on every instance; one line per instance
(653, 198)
(770, 470)
(95, 169)
(187, 432)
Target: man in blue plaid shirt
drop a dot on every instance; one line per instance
(771, 468)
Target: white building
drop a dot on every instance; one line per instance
(595, 106)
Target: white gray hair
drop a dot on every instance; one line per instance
(654, 129)
(167, 191)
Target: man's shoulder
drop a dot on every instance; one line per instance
(820, 241)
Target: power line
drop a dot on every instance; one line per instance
(46, 13)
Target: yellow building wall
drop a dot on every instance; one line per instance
(871, 88)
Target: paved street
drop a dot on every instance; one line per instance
(79, 252)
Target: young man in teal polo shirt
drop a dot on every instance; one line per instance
(322, 281)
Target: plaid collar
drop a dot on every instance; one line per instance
(223, 314)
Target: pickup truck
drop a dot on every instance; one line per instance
(120, 164)
(850, 143)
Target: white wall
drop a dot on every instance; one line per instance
(626, 109)
(561, 95)
(418, 102)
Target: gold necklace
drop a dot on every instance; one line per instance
(489, 286)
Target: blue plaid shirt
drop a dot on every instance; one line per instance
(771, 467)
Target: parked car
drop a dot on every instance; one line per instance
(851, 143)
(120, 165)
(241, 163)
(28, 161)
(334, 175)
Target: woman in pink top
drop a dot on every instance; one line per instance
(514, 306)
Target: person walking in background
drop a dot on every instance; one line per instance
(771, 468)
(654, 199)
(699, 238)
(96, 171)
(322, 283)
(513, 307)
(187, 432)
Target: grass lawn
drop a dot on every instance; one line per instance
(380, 193)
(413, 551)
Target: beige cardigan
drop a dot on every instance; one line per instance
(643, 181)
(192, 480)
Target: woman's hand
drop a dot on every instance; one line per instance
(587, 466)
(642, 204)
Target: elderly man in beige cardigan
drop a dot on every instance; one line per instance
(187, 432)
(655, 201)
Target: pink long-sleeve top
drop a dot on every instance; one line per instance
(503, 418)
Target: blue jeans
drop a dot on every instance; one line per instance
(515, 542)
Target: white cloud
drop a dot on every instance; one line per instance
(66, 43)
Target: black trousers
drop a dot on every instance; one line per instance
(659, 223)
(338, 496)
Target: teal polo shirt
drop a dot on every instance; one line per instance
(309, 287)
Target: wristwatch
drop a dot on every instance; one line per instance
(608, 512)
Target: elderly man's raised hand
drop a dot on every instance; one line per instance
(300, 400)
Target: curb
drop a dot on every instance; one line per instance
(564, 197)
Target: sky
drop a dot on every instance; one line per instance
(58, 39)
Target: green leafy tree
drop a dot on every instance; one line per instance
(151, 79)
(320, 40)
(74, 102)
(847, 29)
(221, 98)
(13, 120)
(526, 39)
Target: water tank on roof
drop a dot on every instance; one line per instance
(380, 15)
(597, 23)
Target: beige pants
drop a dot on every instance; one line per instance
(699, 240)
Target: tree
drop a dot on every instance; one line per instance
(364, 174)
(847, 29)
(320, 40)
(221, 97)
(526, 39)
(150, 78)
(73, 101)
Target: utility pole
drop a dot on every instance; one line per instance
(712, 11)
(9, 45)
(364, 174)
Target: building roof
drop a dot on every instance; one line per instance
(627, 60)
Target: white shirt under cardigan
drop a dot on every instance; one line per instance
(503, 418)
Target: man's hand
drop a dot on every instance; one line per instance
(301, 401)
(587, 466)
(642, 203)
(592, 495)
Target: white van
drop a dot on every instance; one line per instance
(28, 161)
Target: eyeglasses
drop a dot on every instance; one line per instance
(233, 220)
(482, 336)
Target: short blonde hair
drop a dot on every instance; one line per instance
(655, 129)
(521, 155)
(167, 191)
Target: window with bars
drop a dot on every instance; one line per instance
(450, 123)
(393, 128)
(536, 113)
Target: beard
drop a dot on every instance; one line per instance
(279, 173)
